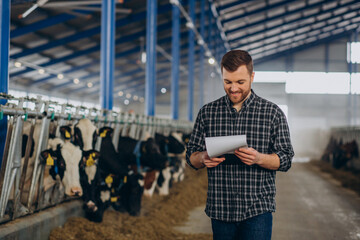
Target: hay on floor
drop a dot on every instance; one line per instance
(158, 217)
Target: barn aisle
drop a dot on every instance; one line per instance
(310, 205)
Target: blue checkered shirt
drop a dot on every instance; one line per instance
(237, 191)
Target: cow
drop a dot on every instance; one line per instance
(130, 194)
(144, 153)
(85, 134)
(69, 157)
(170, 146)
(110, 160)
(345, 153)
(147, 159)
(340, 154)
(104, 175)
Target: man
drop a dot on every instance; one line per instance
(241, 186)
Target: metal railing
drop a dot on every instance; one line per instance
(22, 177)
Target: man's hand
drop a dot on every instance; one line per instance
(211, 162)
(249, 156)
(202, 159)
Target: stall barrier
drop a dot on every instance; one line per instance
(18, 197)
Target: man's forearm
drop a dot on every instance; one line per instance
(269, 161)
(197, 160)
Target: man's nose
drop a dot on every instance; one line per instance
(234, 88)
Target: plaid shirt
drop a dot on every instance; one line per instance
(237, 191)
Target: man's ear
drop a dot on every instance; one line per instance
(252, 76)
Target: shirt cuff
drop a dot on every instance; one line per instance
(285, 161)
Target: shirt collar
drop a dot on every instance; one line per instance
(247, 102)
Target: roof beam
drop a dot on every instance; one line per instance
(303, 26)
(280, 43)
(291, 49)
(88, 33)
(278, 54)
(283, 25)
(41, 24)
(257, 11)
(233, 4)
(281, 16)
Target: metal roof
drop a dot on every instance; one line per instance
(64, 37)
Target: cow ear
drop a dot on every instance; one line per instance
(109, 131)
(65, 132)
(44, 154)
(47, 158)
(105, 132)
(95, 154)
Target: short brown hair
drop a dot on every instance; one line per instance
(233, 59)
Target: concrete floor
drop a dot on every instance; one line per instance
(310, 205)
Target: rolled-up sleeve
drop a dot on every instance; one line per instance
(197, 141)
(281, 142)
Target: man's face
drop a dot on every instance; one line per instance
(237, 84)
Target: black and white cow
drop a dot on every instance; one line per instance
(85, 134)
(63, 159)
(147, 152)
(171, 146)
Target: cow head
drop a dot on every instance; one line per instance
(68, 158)
(151, 155)
(55, 161)
(85, 134)
(89, 163)
(175, 143)
(106, 132)
(66, 132)
(171, 144)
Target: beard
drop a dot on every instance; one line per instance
(238, 96)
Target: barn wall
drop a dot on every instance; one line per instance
(310, 116)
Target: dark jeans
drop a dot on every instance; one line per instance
(255, 228)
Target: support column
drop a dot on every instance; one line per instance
(107, 53)
(175, 52)
(150, 78)
(211, 84)
(355, 70)
(4, 65)
(191, 62)
(202, 52)
(349, 108)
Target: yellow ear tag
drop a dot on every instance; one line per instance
(67, 134)
(90, 161)
(109, 179)
(103, 134)
(49, 160)
(113, 190)
(113, 199)
(125, 179)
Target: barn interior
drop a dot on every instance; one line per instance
(158, 62)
